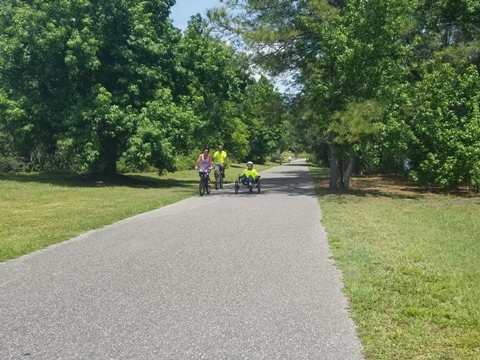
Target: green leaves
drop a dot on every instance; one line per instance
(212, 77)
(412, 57)
(83, 72)
(103, 81)
(357, 122)
(263, 111)
(446, 124)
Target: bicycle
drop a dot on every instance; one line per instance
(203, 186)
(218, 176)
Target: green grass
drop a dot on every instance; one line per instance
(411, 266)
(38, 210)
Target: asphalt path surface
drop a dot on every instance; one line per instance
(223, 276)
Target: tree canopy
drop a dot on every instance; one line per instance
(86, 84)
(80, 77)
(381, 85)
(375, 76)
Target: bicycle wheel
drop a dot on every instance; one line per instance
(201, 186)
(236, 186)
(217, 179)
(220, 181)
(258, 186)
(207, 187)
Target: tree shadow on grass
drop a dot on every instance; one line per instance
(387, 186)
(98, 180)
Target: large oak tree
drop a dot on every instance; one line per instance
(91, 79)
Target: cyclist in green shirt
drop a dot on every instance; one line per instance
(220, 159)
(250, 175)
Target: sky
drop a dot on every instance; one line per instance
(184, 9)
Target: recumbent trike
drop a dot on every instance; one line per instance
(247, 182)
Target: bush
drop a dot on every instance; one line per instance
(186, 162)
(10, 164)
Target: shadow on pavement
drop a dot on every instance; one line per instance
(277, 180)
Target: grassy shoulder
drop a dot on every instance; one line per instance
(38, 210)
(410, 260)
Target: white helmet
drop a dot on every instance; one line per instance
(250, 163)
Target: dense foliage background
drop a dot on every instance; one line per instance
(385, 85)
(92, 86)
(379, 85)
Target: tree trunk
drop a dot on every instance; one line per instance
(335, 167)
(348, 170)
(358, 165)
(108, 159)
(108, 167)
(341, 167)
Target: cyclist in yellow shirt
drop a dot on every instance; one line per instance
(250, 175)
(220, 159)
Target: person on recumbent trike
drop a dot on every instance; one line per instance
(250, 175)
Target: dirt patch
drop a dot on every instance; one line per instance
(388, 184)
(391, 186)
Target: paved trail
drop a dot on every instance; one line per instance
(224, 276)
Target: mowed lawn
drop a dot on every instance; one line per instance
(410, 260)
(38, 210)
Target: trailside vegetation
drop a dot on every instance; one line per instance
(89, 86)
(383, 85)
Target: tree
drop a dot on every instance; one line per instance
(264, 113)
(342, 52)
(212, 78)
(433, 116)
(88, 77)
(445, 121)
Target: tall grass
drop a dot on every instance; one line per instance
(411, 266)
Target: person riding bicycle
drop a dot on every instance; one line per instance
(204, 162)
(220, 159)
(250, 175)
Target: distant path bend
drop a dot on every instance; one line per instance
(223, 276)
